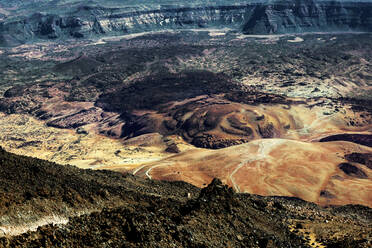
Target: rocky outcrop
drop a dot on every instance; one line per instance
(42, 27)
(252, 18)
(89, 22)
(308, 16)
(127, 211)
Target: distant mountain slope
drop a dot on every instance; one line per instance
(309, 16)
(32, 21)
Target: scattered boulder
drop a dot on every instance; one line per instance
(352, 170)
(360, 158)
(173, 148)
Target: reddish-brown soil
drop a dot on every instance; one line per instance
(315, 172)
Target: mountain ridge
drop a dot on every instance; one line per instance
(90, 21)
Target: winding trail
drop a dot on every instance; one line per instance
(236, 187)
(147, 173)
(138, 169)
(264, 148)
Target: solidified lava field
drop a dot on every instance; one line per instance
(130, 104)
(161, 124)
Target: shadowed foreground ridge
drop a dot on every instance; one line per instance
(125, 211)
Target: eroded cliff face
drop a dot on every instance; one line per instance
(252, 18)
(89, 22)
(309, 16)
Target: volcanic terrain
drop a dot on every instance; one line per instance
(90, 208)
(271, 97)
(131, 104)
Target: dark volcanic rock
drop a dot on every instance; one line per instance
(326, 194)
(352, 170)
(153, 91)
(81, 118)
(14, 91)
(173, 148)
(361, 158)
(150, 213)
(192, 104)
(362, 139)
(212, 142)
(26, 183)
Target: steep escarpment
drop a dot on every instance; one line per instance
(91, 21)
(309, 16)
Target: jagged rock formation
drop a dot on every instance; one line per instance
(132, 212)
(90, 21)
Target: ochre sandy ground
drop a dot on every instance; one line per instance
(273, 167)
(24, 135)
(295, 165)
(309, 124)
(290, 164)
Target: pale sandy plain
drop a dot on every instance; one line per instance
(25, 135)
